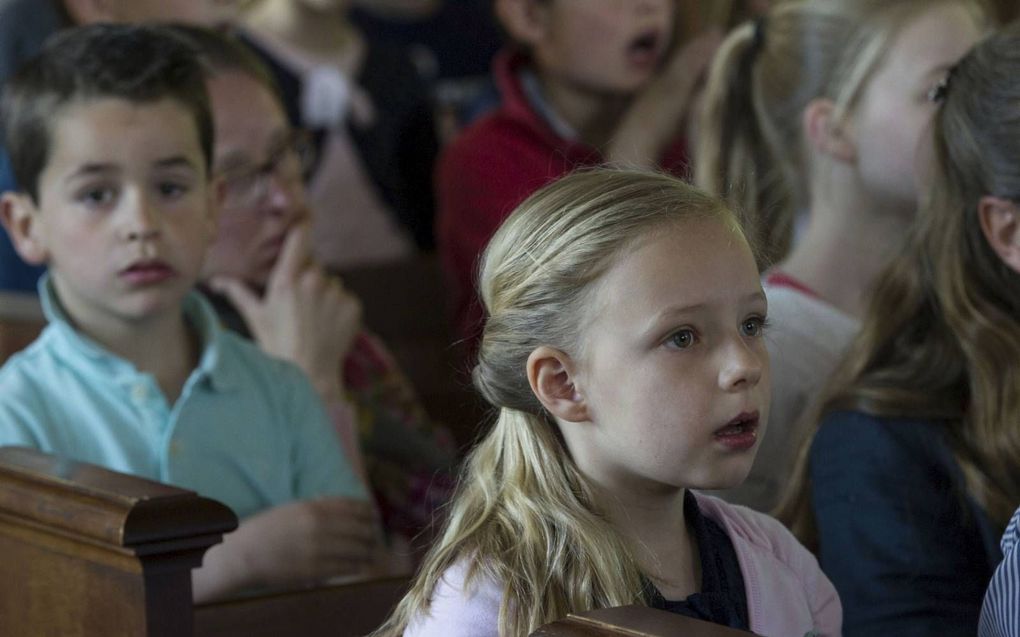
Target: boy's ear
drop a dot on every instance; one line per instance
(1000, 223)
(18, 213)
(552, 379)
(524, 20)
(824, 133)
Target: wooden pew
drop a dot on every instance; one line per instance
(634, 621)
(350, 609)
(86, 551)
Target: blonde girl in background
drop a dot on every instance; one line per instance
(623, 350)
(812, 117)
(914, 469)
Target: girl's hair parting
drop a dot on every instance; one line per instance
(750, 147)
(523, 515)
(941, 338)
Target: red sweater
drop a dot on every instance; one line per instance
(489, 169)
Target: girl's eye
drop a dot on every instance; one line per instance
(681, 339)
(753, 326)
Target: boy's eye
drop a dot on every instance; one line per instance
(172, 190)
(681, 339)
(753, 326)
(97, 197)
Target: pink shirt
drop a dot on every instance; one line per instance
(787, 593)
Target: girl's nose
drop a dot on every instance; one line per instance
(742, 366)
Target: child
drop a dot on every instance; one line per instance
(271, 290)
(818, 107)
(371, 191)
(110, 133)
(589, 81)
(915, 467)
(25, 25)
(624, 351)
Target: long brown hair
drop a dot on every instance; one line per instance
(941, 338)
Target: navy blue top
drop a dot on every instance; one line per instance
(909, 552)
(723, 598)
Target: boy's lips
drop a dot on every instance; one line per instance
(740, 433)
(645, 50)
(148, 272)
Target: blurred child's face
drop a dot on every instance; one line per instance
(895, 109)
(612, 46)
(263, 192)
(674, 370)
(125, 210)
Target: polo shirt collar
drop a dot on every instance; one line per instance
(75, 346)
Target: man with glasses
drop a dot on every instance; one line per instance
(265, 283)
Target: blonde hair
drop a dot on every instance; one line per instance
(941, 339)
(751, 150)
(523, 513)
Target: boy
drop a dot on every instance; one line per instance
(110, 135)
(588, 81)
(25, 25)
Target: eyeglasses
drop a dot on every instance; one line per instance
(291, 161)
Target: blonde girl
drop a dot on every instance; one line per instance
(915, 467)
(812, 119)
(623, 351)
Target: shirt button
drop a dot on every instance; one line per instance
(175, 448)
(139, 393)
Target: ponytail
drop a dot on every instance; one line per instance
(733, 159)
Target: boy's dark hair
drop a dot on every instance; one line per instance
(224, 53)
(132, 62)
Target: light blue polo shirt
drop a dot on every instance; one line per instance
(247, 430)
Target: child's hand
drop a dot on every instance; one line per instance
(305, 316)
(298, 543)
(312, 540)
(655, 116)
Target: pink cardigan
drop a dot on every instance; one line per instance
(787, 593)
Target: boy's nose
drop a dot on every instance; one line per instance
(142, 221)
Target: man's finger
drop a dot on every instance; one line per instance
(294, 257)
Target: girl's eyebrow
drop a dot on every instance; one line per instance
(174, 162)
(680, 310)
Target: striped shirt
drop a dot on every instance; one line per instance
(1000, 614)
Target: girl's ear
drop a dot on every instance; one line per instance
(524, 20)
(824, 133)
(551, 376)
(19, 216)
(1001, 227)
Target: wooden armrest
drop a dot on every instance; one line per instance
(88, 551)
(634, 621)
